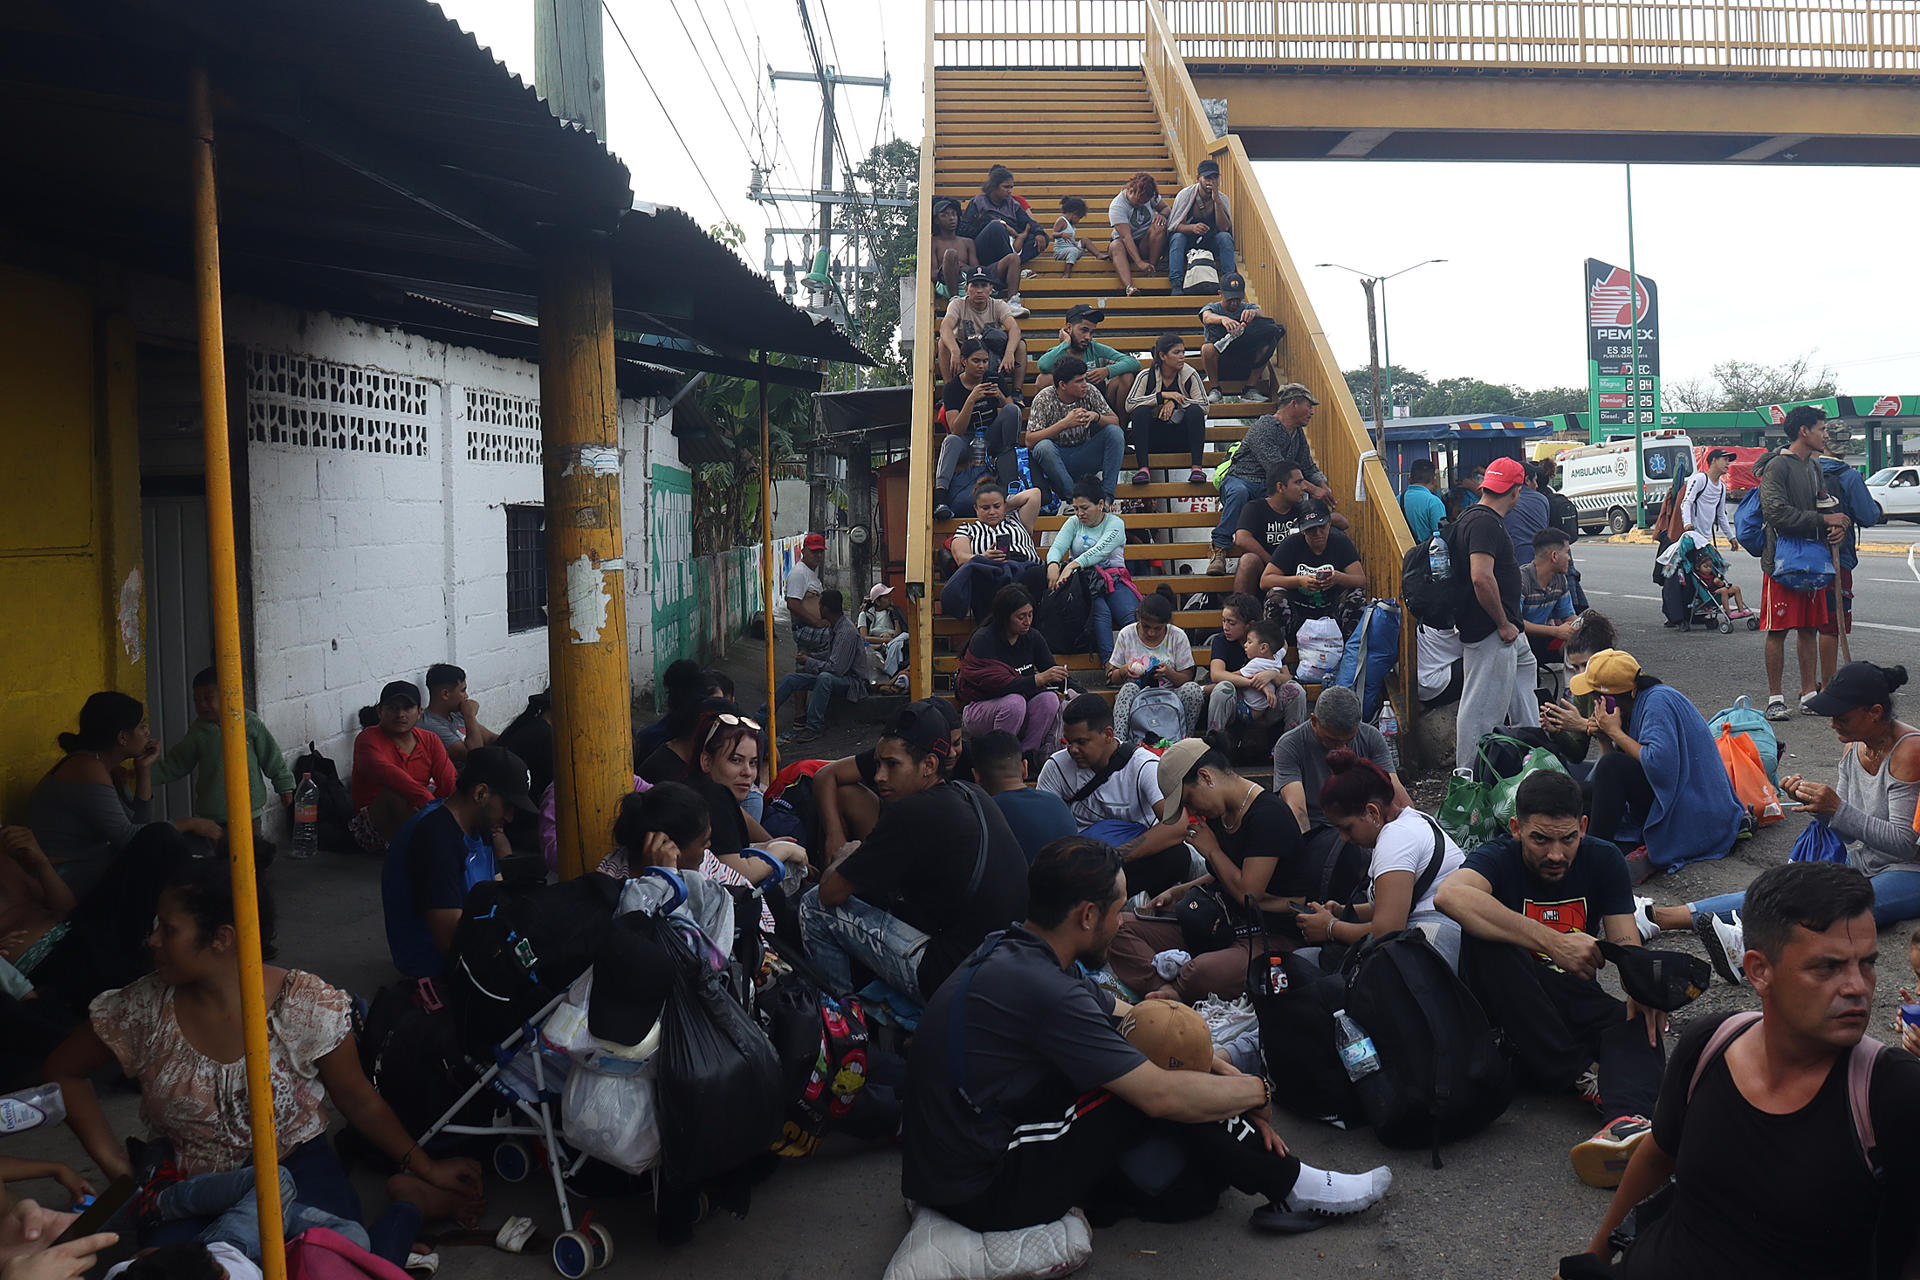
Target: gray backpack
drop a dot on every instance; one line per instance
(1157, 715)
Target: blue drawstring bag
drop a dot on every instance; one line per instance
(1802, 564)
(1748, 529)
(1818, 843)
(1370, 654)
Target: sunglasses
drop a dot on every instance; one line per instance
(730, 720)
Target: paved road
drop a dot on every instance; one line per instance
(1505, 1205)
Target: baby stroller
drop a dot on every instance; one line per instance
(587, 1030)
(1693, 571)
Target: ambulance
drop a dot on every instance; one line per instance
(1599, 478)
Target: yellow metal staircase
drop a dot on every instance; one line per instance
(1084, 132)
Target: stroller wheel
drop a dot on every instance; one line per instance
(1725, 626)
(602, 1244)
(1753, 624)
(512, 1160)
(572, 1255)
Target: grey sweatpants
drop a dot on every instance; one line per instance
(1496, 688)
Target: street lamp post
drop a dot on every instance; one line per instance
(1368, 279)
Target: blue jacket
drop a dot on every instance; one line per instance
(1695, 813)
(1855, 503)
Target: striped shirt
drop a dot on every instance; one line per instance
(981, 535)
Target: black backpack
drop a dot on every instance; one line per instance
(1288, 995)
(334, 803)
(1435, 601)
(517, 947)
(1442, 1074)
(1063, 615)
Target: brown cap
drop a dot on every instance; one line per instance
(1173, 1036)
(1294, 391)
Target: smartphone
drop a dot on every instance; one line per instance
(1004, 541)
(100, 1212)
(1608, 701)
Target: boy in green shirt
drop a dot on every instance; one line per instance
(198, 753)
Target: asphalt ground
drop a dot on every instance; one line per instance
(1505, 1204)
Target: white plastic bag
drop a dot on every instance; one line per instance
(613, 1117)
(566, 1029)
(1320, 645)
(938, 1248)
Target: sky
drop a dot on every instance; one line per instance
(1753, 263)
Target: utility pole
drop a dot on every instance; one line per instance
(1373, 352)
(569, 70)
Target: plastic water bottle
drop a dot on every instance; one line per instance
(306, 818)
(1439, 558)
(1389, 725)
(43, 1104)
(1357, 1053)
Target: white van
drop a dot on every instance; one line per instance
(1599, 477)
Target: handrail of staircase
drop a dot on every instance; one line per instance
(1340, 441)
(920, 446)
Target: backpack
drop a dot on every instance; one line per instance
(1744, 719)
(1063, 615)
(1203, 272)
(516, 948)
(1157, 715)
(1442, 1075)
(1219, 476)
(1297, 1034)
(322, 1254)
(1748, 528)
(1433, 578)
(1370, 654)
(334, 804)
(410, 1051)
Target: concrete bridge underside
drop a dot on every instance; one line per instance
(1286, 111)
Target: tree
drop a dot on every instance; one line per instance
(726, 495)
(1550, 401)
(1461, 397)
(1746, 384)
(1408, 385)
(887, 234)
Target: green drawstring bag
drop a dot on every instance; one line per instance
(1501, 792)
(1467, 812)
(1478, 808)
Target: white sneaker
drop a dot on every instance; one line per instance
(1019, 307)
(1726, 946)
(1215, 396)
(1333, 1194)
(1643, 919)
(1028, 273)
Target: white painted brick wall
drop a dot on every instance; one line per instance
(369, 566)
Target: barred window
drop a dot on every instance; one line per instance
(526, 568)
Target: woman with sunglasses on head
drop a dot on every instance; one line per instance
(726, 765)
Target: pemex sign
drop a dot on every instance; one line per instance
(1621, 309)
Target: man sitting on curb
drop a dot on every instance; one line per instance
(1755, 1115)
(1533, 908)
(846, 668)
(945, 881)
(1037, 817)
(1114, 793)
(450, 715)
(1024, 1101)
(1300, 773)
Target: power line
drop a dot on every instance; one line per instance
(698, 172)
(706, 71)
(700, 12)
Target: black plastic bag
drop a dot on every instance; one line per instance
(722, 1095)
(1064, 614)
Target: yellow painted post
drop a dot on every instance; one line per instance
(766, 564)
(919, 562)
(586, 565)
(223, 580)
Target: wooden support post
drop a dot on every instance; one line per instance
(766, 566)
(222, 574)
(586, 569)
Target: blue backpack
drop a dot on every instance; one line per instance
(1742, 718)
(1747, 526)
(1370, 654)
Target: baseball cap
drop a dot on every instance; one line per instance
(1209, 168)
(503, 771)
(814, 542)
(1173, 1036)
(1503, 474)
(400, 693)
(941, 203)
(977, 277)
(1294, 391)
(1663, 980)
(1176, 762)
(879, 589)
(1608, 671)
(1084, 311)
(1858, 684)
(1313, 515)
(924, 727)
(1233, 285)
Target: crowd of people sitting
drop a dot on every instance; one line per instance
(1019, 904)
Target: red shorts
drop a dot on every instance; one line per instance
(1784, 609)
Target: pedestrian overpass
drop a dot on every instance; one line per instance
(1076, 95)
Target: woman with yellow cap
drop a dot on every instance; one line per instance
(1658, 766)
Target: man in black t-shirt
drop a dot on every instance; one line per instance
(1498, 668)
(1266, 524)
(928, 882)
(1760, 1135)
(1533, 907)
(983, 431)
(1315, 573)
(1024, 1100)
(847, 797)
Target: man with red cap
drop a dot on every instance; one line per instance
(811, 633)
(1499, 669)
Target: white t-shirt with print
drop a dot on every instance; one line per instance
(1172, 651)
